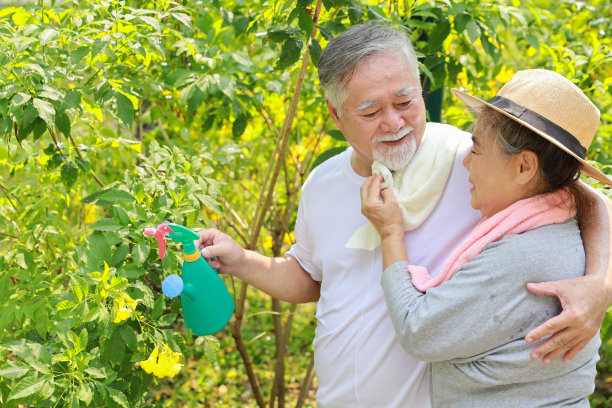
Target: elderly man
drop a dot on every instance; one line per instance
(371, 82)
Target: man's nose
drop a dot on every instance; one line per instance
(392, 121)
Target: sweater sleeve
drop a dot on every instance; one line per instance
(486, 304)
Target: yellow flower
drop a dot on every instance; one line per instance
(164, 364)
(123, 307)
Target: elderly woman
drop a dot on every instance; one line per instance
(469, 321)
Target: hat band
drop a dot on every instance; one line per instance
(541, 123)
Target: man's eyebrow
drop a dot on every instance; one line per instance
(406, 91)
(474, 141)
(365, 105)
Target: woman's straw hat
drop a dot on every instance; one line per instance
(553, 107)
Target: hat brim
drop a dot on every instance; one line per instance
(587, 168)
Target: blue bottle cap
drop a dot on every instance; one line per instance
(172, 286)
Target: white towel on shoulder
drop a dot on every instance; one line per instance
(418, 187)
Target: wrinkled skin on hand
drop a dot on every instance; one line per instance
(571, 330)
(220, 250)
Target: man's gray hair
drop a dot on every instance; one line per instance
(345, 52)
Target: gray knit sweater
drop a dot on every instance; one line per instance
(471, 329)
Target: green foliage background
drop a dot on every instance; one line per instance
(118, 115)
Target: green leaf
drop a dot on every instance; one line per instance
(336, 134)
(72, 99)
(132, 271)
(96, 372)
(29, 114)
(99, 247)
(48, 35)
(82, 164)
(461, 22)
(151, 21)
(65, 304)
(141, 252)
(45, 110)
(239, 125)
(48, 388)
(69, 174)
(114, 349)
(315, 51)
(473, 30)
(125, 110)
(62, 121)
(243, 59)
(533, 41)
(355, 12)
(488, 46)
(128, 335)
(85, 393)
(167, 320)
(305, 22)
(282, 35)
(183, 18)
(119, 255)
(7, 315)
(55, 160)
(42, 324)
(14, 371)
(19, 99)
(438, 35)
(195, 100)
(98, 45)
(39, 128)
(158, 308)
(118, 397)
(115, 196)
(290, 53)
(211, 352)
(26, 387)
(302, 4)
(106, 224)
(227, 85)
(77, 55)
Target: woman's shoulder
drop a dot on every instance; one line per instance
(554, 250)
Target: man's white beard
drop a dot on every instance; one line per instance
(395, 158)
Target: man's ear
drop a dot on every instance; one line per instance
(333, 112)
(527, 166)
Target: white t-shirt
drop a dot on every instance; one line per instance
(358, 361)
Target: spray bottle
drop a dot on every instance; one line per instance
(207, 304)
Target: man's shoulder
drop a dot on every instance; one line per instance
(333, 164)
(329, 170)
(442, 129)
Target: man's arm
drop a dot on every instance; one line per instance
(281, 277)
(585, 300)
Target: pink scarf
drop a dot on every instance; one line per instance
(523, 215)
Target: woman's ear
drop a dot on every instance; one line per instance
(527, 166)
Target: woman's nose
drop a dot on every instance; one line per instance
(467, 160)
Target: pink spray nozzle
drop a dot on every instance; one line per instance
(159, 234)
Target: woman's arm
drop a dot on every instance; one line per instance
(485, 304)
(585, 300)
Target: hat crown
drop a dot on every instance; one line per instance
(556, 98)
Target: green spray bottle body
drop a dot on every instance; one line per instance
(207, 304)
